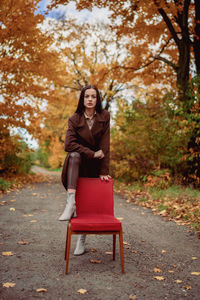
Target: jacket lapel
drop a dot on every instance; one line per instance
(84, 131)
(98, 123)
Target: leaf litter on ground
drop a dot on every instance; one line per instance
(175, 203)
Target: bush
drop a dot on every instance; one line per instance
(42, 157)
(4, 185)
(17, 160)
(147, 137)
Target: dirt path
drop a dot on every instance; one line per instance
(154, 247)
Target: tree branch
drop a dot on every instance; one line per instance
(167, 61)
(169, 26)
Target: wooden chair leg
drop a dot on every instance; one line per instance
(68, 245)
(121, 250)
(114, 245)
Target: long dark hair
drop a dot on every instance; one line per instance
(80, 107)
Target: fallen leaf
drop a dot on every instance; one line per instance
(157, 270)
(13, 200)
(3, 202)
(33, 221)
(95, 261)
(126, 243)
(7, 253)
(23, 242)
(194, 257)
(164, 251)
(12, 209)
(159, 278)
(109, 253)
(93, 250)
(27, 215)
(41, 290)
(132, 297)
(195, 273)
(82, 291)
(134, 251)
(187, 287)
(9, 284)
(43, 210)
(170, 271)
(178, 281)
(142, 213)
(120, 219)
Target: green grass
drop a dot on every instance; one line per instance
(55, 169)
(174, 191)
(4, 185)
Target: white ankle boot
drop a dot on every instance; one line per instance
(70, 209)
(80, 245)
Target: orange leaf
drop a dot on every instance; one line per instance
(195, 273)
(178, 281)
(157, 270)
(132, 297)
(82, 291)
(8, 253)
(95, 261)
(23, 242)
(93, 250)
(41, 290)
(159, 278)
(187, 287)
(9, 284)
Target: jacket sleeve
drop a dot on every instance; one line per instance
(71, 142)
(105, 146)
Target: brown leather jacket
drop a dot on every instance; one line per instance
(79, 138)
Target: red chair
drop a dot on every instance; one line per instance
(95, 214)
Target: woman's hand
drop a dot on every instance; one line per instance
(99, 154)
(105, 177)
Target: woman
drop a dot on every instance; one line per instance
(88, 144)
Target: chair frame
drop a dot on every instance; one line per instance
(114, 233)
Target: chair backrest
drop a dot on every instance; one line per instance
(94, 196)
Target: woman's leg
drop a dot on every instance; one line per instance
(70, 209)
(72, 177)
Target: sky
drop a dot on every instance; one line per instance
(69, 11)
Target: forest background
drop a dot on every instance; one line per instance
(144, 57)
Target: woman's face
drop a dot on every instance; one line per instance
(90, 98)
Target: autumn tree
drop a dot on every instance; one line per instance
(29, 74)
(164, 37)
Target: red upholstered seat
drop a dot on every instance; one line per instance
(95, 214)
(95, 223)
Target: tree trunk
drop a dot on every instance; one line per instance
(196, 44)
(183, 44)
(183, 67)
